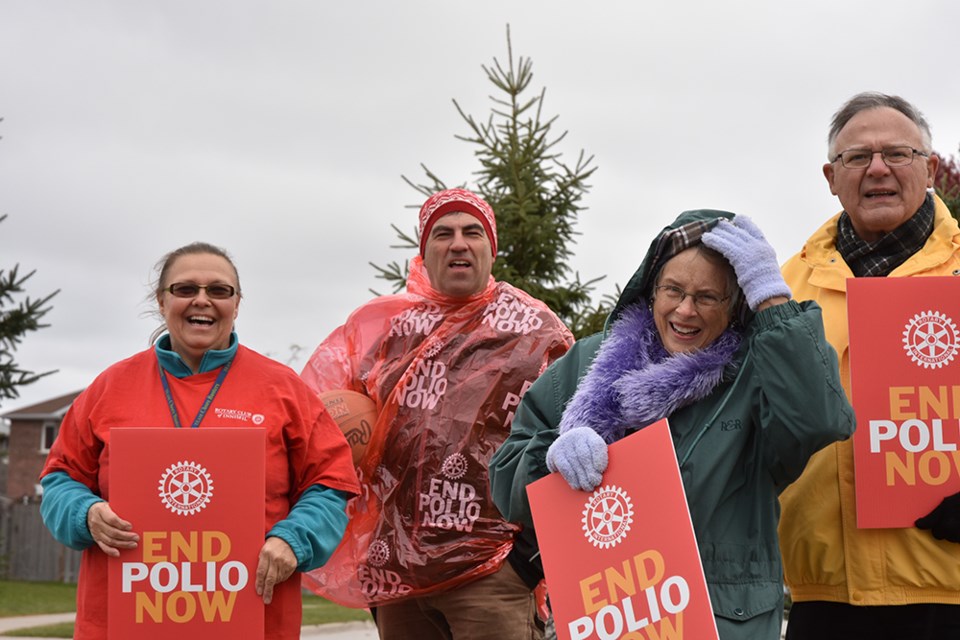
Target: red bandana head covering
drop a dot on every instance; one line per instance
(457, 200)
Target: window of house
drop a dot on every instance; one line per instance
(50, 431)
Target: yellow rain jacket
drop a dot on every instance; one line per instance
(826, 557)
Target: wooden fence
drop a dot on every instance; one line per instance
(28, 551)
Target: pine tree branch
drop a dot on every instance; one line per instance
(15, 323)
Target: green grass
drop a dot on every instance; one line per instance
(317, 610)
(64, 630)
(32, 598)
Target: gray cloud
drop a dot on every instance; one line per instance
(280, 131)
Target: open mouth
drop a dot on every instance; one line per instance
(459, 264)
(200, 321)
(684, 331)
(881, 194)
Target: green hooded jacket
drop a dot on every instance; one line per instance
(737, 448)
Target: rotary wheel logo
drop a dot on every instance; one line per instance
(186, 488)
(607, 517)
(378, 553)
(455, 466)
(435, 347)
(931, 339)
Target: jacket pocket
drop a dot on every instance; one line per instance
(742, 602)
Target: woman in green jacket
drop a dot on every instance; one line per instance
(704, 334)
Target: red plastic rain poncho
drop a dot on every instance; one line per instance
(446, 376)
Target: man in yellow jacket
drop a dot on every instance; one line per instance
(870, 583)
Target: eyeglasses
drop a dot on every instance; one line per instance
(892, 157)
(191, 290)
(678, 295)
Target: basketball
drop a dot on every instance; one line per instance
(356, 414)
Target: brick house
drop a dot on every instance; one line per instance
(32, 432)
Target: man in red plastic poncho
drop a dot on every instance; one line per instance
(446, 363)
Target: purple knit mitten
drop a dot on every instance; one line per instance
(753, 259)
(580, 455)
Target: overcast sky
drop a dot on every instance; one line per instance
(280, 131)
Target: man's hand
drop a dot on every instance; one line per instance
(944, 521)
(110, 531)
(277, 562)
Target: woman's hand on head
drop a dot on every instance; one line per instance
(276, 563)
(753, 259)
(110, 531)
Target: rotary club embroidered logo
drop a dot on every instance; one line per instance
(185, 488)
(607, 516)
(931, 339)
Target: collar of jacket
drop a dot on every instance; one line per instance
(213, 359)
(829, 271)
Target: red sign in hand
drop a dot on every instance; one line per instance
(196, 497)
(623, 559)
(904, 381)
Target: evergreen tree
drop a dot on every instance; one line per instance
(535, 195)
(16, 320)
(947, 183)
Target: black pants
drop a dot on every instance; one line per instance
(837, 621)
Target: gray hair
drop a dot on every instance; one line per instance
(732, 289)
(874, 100)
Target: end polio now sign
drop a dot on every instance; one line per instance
(905, 386)
(622, 561)
(196, 497)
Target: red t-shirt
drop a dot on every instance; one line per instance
(304, 447)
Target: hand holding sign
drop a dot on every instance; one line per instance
(944, 521)
(110, 531)
(580, 455)
(275, 564)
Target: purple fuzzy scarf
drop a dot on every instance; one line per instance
(634, 382)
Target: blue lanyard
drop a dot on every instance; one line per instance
(206, 403)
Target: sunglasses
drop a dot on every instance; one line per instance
(190, 290)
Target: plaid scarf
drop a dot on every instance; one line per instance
(672, 242)
(889, 252)
(676, 240)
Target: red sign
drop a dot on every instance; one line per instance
(623, 559)
(906, 394)
(196, 497)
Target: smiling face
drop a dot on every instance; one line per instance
(684, 327)
(879, 198)
(200, 323)
(458, 256)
